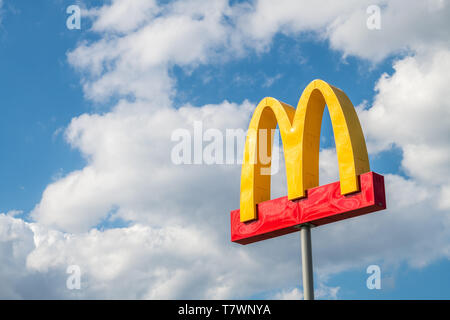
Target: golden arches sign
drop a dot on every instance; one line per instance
(300, 134)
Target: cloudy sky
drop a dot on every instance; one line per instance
(87, 116)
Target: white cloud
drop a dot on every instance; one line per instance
(405, 26)
(412, 111)
(265, 18)
(135, 262)
(445, 197)
(128, 152)
(322, 292)
(16, 242)
(137, 51)
(137, 63)
(269, 81)
(111, 17)
(294, 294)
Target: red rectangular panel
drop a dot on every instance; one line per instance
(323, 204)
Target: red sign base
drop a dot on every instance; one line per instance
(323, 204)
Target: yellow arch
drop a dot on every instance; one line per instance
(300, 134)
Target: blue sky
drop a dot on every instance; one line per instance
(45, 84)
(41, 93)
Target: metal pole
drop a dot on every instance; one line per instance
(307, 265)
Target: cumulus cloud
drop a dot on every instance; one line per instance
(405, 26)
(294, 294)
(15, 243)
(138, 63)
(138, 50)
(130, 168)
(135, 262)
(322, 292)
(110, 17)
(140, 262)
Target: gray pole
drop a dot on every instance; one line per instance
(307, 265)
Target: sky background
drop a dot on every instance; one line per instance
(86, 118)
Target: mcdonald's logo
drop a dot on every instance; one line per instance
(359, 191)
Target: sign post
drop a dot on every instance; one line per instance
(307, 265)
(359, 191)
